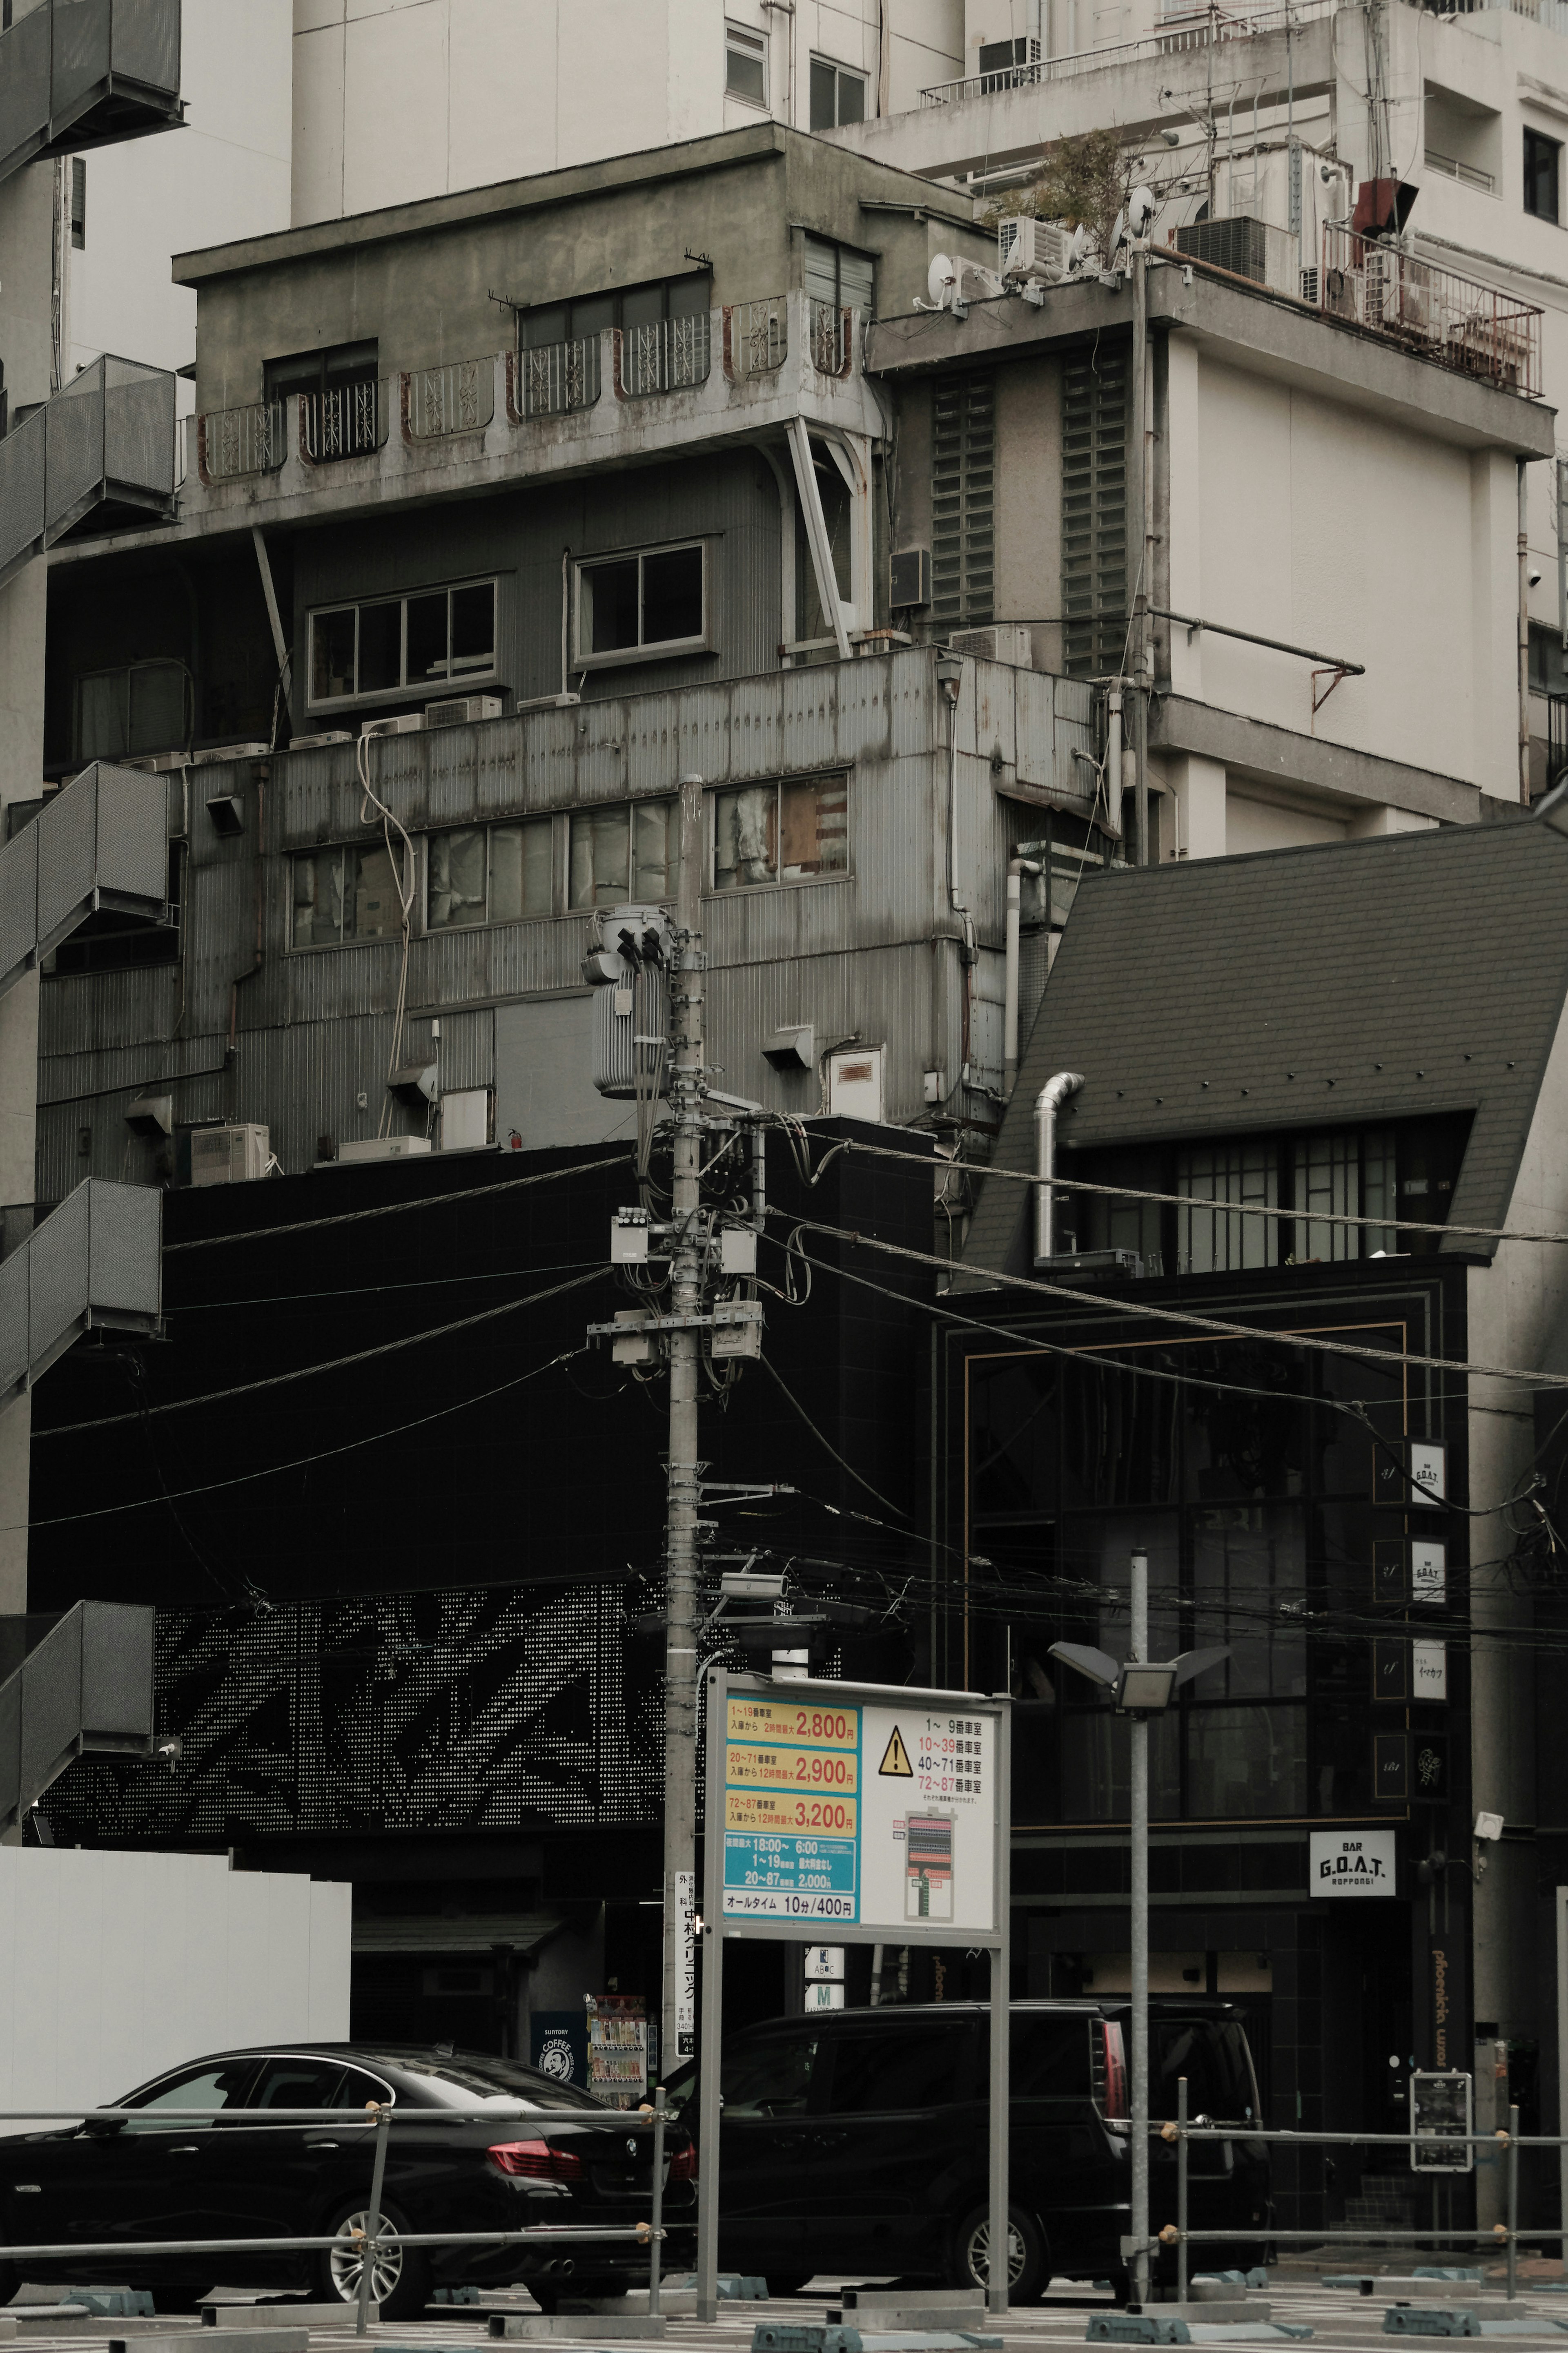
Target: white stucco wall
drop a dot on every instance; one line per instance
(114, 1967)
(400, 98)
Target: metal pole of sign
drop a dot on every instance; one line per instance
(1138, 1648)
(1182, 2260)
(657, 2215)
(1001, 2236)
(1512, 2203)
(710, 2104)
(373, 2219)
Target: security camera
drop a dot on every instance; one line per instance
(1172, 138)
(1534, 577)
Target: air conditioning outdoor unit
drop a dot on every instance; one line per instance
(156, 764)
(408, 722)
(381, 1147)
(320, 743)
(1033, 250)
(1005, 642)
(463, 711)
(229, 1155)
(230, 751)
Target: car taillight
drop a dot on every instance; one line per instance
(1115, 2070)
(683, 2163)
(537, 2158)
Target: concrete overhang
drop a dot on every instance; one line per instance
(1252, 751)
(1263, 333)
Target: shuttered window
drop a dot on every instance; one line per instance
(1094, 513)
(963, 534)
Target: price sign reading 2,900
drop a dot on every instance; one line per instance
(791, 1778)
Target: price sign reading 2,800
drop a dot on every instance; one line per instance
(791, 1778)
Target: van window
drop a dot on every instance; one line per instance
(1216, 2060)
(1048, 2057)
(771, 2078)
(907, 2067)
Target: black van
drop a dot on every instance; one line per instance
(854, 2141)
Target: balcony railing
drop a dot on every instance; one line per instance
(667, 355)
(350, 421)
(439, 403)
(82, 73)
(553, 379)
(101, 451)
(1196, 28)
(1468, 176)
(756, 337)
(1476, 329)
(234, 442)
(831, 332)
(1552, 13)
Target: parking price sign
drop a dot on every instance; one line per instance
(843, 1813)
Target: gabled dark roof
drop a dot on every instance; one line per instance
(1419, 973)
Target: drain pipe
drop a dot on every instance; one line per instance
(1016, 868)
(1052, 1095)
(1113, 736)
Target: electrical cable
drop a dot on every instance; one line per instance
(393, 1208)
(332, 1363)
(771, 1368)
(372, 1290)
(406, 881)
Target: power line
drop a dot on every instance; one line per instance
(394, 1209)
(332, 1363)
(821, 1441)
(369, 1290)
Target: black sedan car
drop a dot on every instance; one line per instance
(462, 2155)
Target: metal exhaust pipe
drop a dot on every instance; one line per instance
(1047, 1103)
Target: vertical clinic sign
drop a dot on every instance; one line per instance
(859, 1815)
(685, 1949)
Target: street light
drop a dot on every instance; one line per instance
(1143, 1687)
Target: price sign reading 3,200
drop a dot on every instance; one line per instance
(792, 1775)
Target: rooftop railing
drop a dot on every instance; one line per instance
(1473, 329)
(1552, 13)
(106, 440)
(81, 73)
(1469, 175)
(1197, 28)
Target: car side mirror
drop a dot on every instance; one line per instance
(102, 2127)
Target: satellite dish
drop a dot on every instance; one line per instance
(942, 279)
(1078, 249)
(1140, 211)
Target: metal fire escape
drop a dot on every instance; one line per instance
(101, 845)
(98, 455)
(81, 1685)
(76, 74)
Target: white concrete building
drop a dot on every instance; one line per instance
(395, 102)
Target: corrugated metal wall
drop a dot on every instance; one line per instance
(873, 954)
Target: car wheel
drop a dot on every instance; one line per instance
(170, 2296)
(400, 2275)
(1029, 2271)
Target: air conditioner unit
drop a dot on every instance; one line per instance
(1005, 642)
(230, 751)
(463, 711)
(229, 1155)
(320, 743)
(381, 1147)
(1033, 250)
(408, 722)
(156, 764)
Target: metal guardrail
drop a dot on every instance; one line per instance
(667, 355)
(94, 1261)
(98, 844)
(1469, 175)
(382, 2115)
(756, 337)
(234, 442)
(1473, 329)
(1201, 28)
(75, 73)
(458, 396)
(86, 1688)
(350, 421)
(553, 379)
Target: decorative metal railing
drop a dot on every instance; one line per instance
(350, 421)
(458, 397)
(234, 442)
(667, 355)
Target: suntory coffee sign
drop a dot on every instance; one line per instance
(1352, 1863)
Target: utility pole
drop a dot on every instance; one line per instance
(687, 1251)
(1137, 548)
(1138, 1736)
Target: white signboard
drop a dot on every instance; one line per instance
(1428, 1570)
(1428, 1671)
(686, 1962)
(1428, 1471)
(880, 1819)
(824, 1964)
(1350, 1862)
(825, 1997)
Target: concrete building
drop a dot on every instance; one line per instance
(394, 102)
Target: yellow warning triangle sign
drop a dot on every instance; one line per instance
(896, 1758)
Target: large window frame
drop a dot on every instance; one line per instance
(590, 570)
(832, 785)
(647, 882)
(1543, 176)
(443, 878)
(462, 671)
(747, 51)
(831, 83)
(363, 852)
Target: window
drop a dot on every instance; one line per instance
(627, 605)
(569, 333)
(1542, 157)
(631, 854)
(781, 833)
(1209, 1242)
(167, 2104)
(1548, 662)
(489, 874)
(78, 202)
(125, 713)
(345, 415)
(837, 274)
(439, 638)
(963, 541)
(1048, 2058)
(346, 894)
(838, 95)
(898, 2068)
(1349, 1176)
(299, 2083)
(745, 65)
